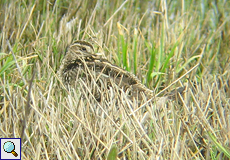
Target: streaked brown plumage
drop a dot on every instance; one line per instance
(81, 62)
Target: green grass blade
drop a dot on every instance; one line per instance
(124, 52)
(135, 51)
(7, 64)
(112, 153)
(152, 61)
(218, 145)
(124, 47)
(160, 55)
(187, 62)
(171, 54)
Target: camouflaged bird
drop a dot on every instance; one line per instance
(99, 75)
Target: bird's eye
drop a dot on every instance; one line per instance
(83, 49)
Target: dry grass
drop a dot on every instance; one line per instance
(158, 41)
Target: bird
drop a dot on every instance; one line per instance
(80, 62)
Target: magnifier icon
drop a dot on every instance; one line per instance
(9, 147)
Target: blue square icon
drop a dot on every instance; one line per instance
(10, 148)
